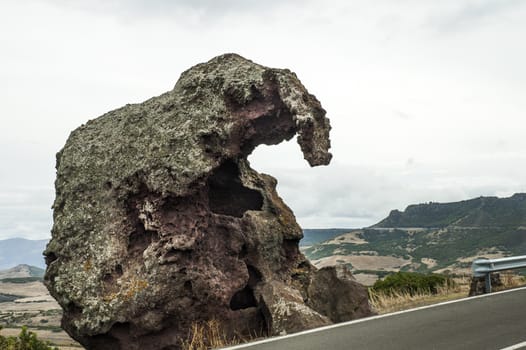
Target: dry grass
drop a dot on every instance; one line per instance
(397, 301)
(210, 335)
(510, 280)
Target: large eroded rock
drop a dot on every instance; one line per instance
(159, 221)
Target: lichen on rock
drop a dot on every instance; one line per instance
(160, 222)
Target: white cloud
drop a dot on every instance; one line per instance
(426, 98)
(25, 212)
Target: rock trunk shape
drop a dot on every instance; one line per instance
(159, 221)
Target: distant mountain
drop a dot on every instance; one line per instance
(477, 212)
(432, 237)
(16, 251)
(22, 271)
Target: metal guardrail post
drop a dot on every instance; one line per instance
(484, 267)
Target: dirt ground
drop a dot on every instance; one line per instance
(36, 309)
(351, 237)
(364, 262)
(366, 279)
(31, 289)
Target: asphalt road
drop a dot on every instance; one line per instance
(494, 321)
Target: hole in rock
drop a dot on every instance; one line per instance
(140, 239)
(171, 254)
(244, 251)
(74, 309)
(120, 330)
(290, 248)
(228, 196)
(116, 338)
(104, 342)
(254, 276)
(50, 257)
(243, 299)
(188, 286)
(291, 244)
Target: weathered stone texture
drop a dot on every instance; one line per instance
(159, 221)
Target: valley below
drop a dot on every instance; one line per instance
(25, 301)
(33, 306)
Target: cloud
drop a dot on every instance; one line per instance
(426, 98)
(360, 195)
(183, 10)
(469, 14)
(402, 115)
(25, 212)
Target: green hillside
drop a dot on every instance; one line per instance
(22, 272)
(477, 212)
(432, 237)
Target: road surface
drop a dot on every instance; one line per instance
(493, 321)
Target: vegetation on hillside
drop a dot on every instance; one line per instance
(446, 246)
(22, 271)
(477, 212)
(437, 236)
(412, 283)
(36, 271)
(26, 340)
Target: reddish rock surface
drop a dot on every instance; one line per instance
(159, 221)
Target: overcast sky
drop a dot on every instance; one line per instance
(427, 99)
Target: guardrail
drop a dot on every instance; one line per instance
(484, 267)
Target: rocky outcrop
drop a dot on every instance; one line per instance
(159, 221)
(334, 292)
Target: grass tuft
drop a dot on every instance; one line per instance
(209, 335)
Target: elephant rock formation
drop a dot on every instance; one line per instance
(159, 221)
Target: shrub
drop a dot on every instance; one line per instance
(25, 341)
(412, 283)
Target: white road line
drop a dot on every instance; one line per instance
(343, 324)
(516, 346)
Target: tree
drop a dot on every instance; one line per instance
(26, 340)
